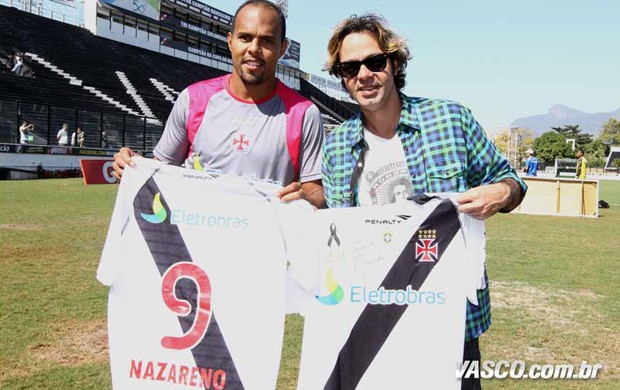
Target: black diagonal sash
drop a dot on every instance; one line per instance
(376, 322)
(167, 248)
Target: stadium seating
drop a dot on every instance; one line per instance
(75, 69)
(92, 60)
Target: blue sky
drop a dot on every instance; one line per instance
(502, 59)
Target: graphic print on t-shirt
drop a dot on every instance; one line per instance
(181, 284)
(389, 183)
(385, 176)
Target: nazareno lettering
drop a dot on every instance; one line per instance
(207, 378)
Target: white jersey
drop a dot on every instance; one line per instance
(390, 289)
(197, 272)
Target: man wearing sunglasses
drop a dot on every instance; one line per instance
(429, 145)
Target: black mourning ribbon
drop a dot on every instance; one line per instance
(333, 236)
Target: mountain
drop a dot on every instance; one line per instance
(559, 115)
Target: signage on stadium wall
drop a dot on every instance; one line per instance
(204, 33)
(56, 150)
(292, 55)
(147, 8)
(205, 10)
(178, 45)
(97, 171)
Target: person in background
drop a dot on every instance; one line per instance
(63, 135)
(25, 136)
(19, 65)
(531, 164)
(104, 139)
(77, 139)
(431, 145)
(581, 165)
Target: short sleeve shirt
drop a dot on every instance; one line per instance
(245, 138)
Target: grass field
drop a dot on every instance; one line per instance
(555, 290)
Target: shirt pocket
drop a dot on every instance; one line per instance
(449, 177)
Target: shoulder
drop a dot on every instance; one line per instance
(217, 83)
(339, 136)
(292, 98)
(431, 108)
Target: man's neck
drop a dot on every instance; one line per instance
(252, 92)
(383, 121)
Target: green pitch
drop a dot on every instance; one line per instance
(555, 290)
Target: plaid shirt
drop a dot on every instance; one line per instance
(446, 151)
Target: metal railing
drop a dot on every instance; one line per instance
(107, 130)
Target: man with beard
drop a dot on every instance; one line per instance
(247, 123)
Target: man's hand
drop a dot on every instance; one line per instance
(121, 160)
(312, 191)
(485, 201)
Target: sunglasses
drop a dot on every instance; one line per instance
(350, 69)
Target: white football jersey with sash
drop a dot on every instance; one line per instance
(197, 268)
(390, 288)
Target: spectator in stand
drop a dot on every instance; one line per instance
(19, 65)
(531, 164)
(104, 139)
(77, 139)
(10, 62)
(581, 165)
(25, 137)
(63, 135)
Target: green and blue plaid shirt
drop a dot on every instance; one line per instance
(446, 151)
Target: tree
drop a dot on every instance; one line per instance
(552, 145)
(596, 153)
(525, 138)
(610, 134)
(574, 132)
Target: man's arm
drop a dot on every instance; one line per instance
(496, 187)
(487, 200)
(310, 188)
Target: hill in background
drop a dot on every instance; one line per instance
(559, 115)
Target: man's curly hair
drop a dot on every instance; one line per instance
(389, 42)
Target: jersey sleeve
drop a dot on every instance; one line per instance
(311, 145)
(173, 145)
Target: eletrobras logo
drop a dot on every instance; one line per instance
(159, 211)
(335, 291)
(193, 218)
(379, 296)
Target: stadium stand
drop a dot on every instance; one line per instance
(76, 70)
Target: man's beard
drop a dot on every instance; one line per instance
(249, 78)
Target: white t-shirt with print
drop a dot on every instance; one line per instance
(385, 177)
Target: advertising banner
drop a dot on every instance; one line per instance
(291, 57)
(206, 10)
(204, 33)
(97, 171)
(147, 8)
